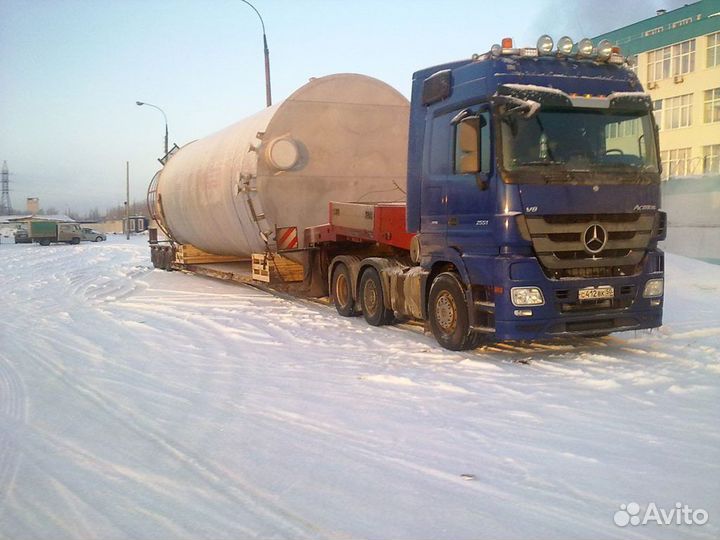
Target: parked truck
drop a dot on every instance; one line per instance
(516, 197)
(47, 232)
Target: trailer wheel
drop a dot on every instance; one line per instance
(342, 291)
(44, 242)
(372, 300)
(75, 240)
(448, 314)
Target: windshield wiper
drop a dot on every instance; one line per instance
(541, 162)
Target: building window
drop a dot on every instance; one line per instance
(675, 162)
(632, 62)
(670, 61)
(657, 111)
(713, 50)
(677, 112)
(626, 128)
(711, 158)
(712, 105)
(659, 64)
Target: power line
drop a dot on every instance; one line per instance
(5, 204)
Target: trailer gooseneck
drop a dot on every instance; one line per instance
(529, 208)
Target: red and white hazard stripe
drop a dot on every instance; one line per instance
(287, 238)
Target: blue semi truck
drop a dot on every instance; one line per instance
(532, 205)
(531, 209)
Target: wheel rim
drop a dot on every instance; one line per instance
(342, 292)
(370, 296)
(446, 312)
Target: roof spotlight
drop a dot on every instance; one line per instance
(585, 47)
(545, 44)
(604, 50)
(565, 45)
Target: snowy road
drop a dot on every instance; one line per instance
(143, 404)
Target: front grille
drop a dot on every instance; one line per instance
(594, 305)
(563, 219)
(559, 245)
(661, 224)
(575, 255)
(593, 272)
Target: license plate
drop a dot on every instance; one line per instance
(596, 293)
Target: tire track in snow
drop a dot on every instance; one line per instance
(13, 409)
(247, 497)
(369, 449)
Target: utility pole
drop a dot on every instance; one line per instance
(266, 52)
(140, 104)
(127, 199)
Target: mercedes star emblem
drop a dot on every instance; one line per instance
(595, 237)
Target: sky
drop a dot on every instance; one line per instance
(71, 71)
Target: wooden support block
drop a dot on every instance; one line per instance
(189, 254)
(274, 268)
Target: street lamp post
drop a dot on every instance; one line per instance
(140, 104)
(266, 51)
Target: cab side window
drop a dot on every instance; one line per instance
(472, 144)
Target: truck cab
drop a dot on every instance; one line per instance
(533, 188)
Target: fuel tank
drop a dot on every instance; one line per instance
(342, 138)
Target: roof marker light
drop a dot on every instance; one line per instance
(604, 50)
(545, 44)
(565, 45)
(585, 48)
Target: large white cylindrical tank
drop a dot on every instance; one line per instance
(341, 137)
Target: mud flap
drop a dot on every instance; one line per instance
(315, 280)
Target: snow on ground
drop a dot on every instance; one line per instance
(136, 403)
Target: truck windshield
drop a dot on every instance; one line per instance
(555, 144)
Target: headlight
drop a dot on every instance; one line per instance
(565, 45)
(545, 44)
(654, 288)
(604, 50)
(526, 296)
(585, 47)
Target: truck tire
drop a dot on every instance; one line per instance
(44, 242)
(448, 314)
(372, 299)
(75, 240)
(98, 239)
(342, 291)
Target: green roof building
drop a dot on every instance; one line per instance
(676, 55)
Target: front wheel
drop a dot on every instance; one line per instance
(372, 299)
(448, 314)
